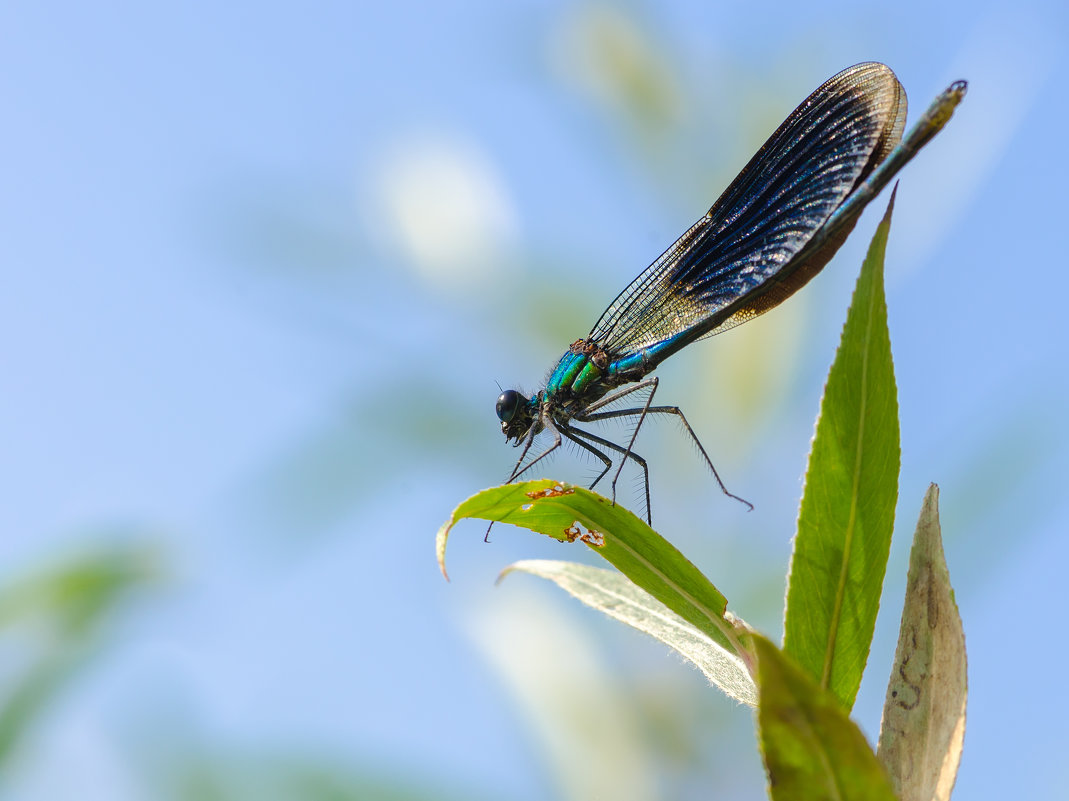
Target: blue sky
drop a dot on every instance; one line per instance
(266, 266)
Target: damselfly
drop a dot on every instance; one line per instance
(779, 222)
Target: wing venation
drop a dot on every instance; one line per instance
(713, 276)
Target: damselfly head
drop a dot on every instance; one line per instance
(513, 412)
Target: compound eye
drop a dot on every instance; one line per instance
(507, 404)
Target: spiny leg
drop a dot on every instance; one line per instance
(653, 382)
(673, 410)
(626, 455)
(612, 397)
(519, 469)
(574, 435)
(528, 441)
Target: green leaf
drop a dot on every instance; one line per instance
(812, 750)
(847, 511)
(924, 713)
(569, 513)
(615, 595)
(56, 620)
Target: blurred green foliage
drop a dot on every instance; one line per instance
(53, 621)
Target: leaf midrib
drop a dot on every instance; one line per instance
(851, 523)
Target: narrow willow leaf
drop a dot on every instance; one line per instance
(569, 513)
(615, 595)
(924, 712)
(812, 750)
(851, 485)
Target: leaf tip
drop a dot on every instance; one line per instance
(931, 498)
(503, 573)
(439, 546)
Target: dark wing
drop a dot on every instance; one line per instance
(740, 258)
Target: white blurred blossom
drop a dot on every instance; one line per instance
(444, 206)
